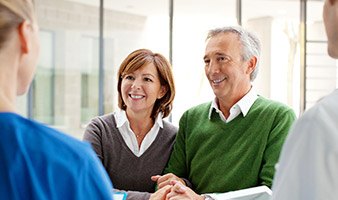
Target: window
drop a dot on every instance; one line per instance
(65, 91)
(277, 25)
(321, 70)
(192, 21)
(43, 86)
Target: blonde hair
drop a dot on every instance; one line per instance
(12, 14)
(138, 59)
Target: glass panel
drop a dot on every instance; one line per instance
(43, 83)
(89, 79)
(22, 105)
(321, 70)
(277, 25)
(192, 20)
(66, 84)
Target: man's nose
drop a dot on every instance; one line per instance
(213, 67)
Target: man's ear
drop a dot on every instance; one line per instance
(252, 64)
(25, 33)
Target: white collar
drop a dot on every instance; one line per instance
(121, 118)
(244, 104)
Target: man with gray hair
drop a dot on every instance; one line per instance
(234, 141)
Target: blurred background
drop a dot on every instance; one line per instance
(83, 43)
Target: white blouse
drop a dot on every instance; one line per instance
(129, 137)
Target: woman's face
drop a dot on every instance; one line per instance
(141, 88)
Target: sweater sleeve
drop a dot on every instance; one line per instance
(177, 162)
(93, 135)
(281, 125)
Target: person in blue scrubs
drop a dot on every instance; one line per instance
(37, 162)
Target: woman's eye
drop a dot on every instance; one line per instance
(129, 77)
(148, 79)
(206, 62)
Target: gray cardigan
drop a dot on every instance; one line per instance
(127, 171)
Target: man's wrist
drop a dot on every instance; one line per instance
(183, 181)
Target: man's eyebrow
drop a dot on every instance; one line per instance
(217, 54)
(220, 54)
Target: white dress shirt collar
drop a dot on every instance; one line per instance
(242, 106)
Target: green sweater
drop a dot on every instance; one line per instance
(219, 157)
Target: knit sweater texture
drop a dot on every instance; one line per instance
(215, 156)
(127, 171)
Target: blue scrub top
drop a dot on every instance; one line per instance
(38, 162)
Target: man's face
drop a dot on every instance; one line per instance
(330, 16)
(228, 74)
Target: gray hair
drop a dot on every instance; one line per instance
(250, 43)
